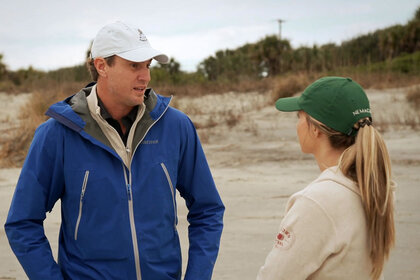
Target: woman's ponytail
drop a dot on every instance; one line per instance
(367, 162)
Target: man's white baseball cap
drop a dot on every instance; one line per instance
(125, 41)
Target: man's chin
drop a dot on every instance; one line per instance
(138, 100)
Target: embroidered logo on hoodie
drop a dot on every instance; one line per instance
(284, 239)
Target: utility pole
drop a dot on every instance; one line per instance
(279, 61)
(280, 21)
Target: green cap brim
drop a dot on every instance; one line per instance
(288, 104)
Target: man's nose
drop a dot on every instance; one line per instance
(144, 75)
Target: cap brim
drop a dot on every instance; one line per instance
(144, 54)
(288, 104)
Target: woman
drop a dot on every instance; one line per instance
(341, 226)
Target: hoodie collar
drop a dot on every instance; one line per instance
(335, 174)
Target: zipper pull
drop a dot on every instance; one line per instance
(129, 191)
(85, 179)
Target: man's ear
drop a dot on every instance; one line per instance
(101, 66)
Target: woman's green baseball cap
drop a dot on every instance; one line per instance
(337, 102)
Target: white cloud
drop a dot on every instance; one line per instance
(48, 34)
(195, 47)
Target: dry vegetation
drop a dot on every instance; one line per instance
(194, 90)
(209, 109)
(15, 141)
(392, 111)
(290, 85)
(413, 97)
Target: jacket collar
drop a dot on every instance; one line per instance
(73, 112)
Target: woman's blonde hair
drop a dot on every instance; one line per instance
(366, 161)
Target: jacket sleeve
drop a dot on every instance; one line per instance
(306, 238)
(38, 188)
(205, 216)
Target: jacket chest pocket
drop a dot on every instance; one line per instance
(95, 212)
(172, 192)
(82, 194)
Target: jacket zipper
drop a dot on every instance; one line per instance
(131, 218)
(82, 195)
(171, 187)
(130, 198)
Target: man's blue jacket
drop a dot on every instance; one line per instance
(118, 222)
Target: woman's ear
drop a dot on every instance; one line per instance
(101, 66)
(315, 131)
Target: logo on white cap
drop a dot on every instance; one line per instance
(142, 37)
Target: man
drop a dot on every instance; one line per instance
(115, 153)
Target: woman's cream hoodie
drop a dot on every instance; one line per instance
(323, 234)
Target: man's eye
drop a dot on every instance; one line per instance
(134, 65)
(148, 65)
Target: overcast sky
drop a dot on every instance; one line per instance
(49, 34)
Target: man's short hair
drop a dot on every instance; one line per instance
(92, 69)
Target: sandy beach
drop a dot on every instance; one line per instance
(256, 162)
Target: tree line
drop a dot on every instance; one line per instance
(272, 56)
